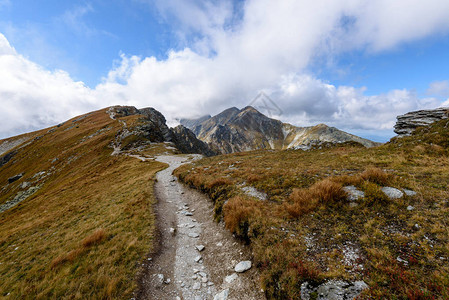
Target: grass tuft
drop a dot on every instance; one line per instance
(95, 238)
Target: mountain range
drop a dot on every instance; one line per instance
(235, 130)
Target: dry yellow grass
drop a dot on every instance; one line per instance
(302, 232)
(83, 234)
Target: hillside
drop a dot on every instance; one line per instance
(342, 218)
(76, 208)
(235, 130)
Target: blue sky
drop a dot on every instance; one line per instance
(351, 64)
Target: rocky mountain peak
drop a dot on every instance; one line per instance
(235, 130)
(153, 128)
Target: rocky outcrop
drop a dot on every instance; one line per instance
(186, 142)
(152, 127)
(406, 124)
(235, 130)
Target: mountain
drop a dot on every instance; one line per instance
(235, 130)
(76, 203)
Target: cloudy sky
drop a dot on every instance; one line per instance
(353, 64)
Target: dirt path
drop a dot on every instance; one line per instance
(179, 270)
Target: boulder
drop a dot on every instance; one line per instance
(243, 266)
(392, 192)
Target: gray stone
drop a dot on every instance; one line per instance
(25, 184)
(196, 286)
(243, 266)
(333, 290)
(231, 278)
(353, 193)
(199, 247)
(410, 208)
(193, 234)
(223, 295)
(198, 258)
(406, 124)
(409, 193)
(392, 192)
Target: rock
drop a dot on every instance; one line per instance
(153, 128)
(22, 195)
(243, 266)
(198, 258)
(223, 295)
(188, 213)
(200, 247)
(193, 234)
(392, 193)
(409, 193)
(15, 178)
(410, 208)
(196, 286)
(25, 184)
(159, 279)
(353, 193)
(167, 281)
(332, 290)
(231, 278)
(204, 280)
(406, 124)
(172, 231)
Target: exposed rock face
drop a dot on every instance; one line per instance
(186, 141)
(407, 123)
(153, 127)
(235, 130)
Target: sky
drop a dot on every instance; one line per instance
(352, 64)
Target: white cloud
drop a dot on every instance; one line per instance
(229, 57)
(439, 88)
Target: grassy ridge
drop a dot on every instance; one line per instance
(83, 233)
(307, 230)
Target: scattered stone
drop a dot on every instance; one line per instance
(409, 193)
(149, 259)
(392, 192)
(417, 226)
(172, 231)
(191, 226)
(196, 286)
(198, 258)
(202, 274)
(410, 208)
(160, 279)
(204, 279)
(25, 184)
(333, 289)
(219, 244)
(15, 177)
(188, 213)
(167, 281)
(243, 266)
(210, 283)
(253, 192)
(353, 193)
(195, 271)
(223, 295)
(231, 278)
(193, 235)
(200, 247)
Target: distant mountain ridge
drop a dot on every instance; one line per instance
(235, 130)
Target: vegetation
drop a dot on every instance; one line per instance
(84, 233)
(308, 230)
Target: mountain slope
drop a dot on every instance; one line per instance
(76, 212)
(327, 220)
(235, 130)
